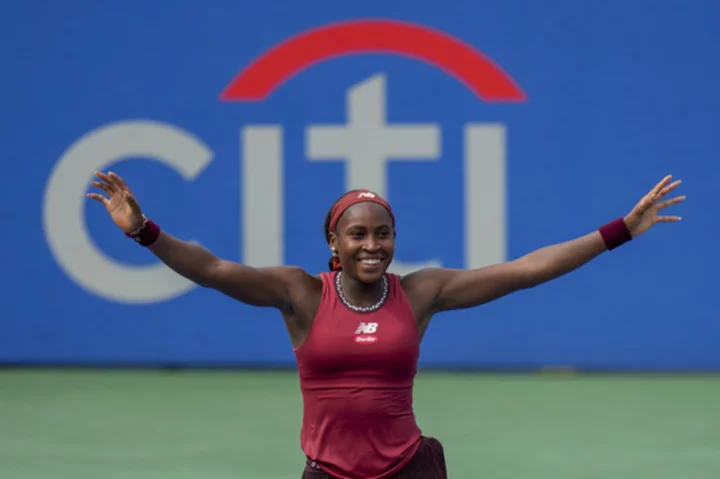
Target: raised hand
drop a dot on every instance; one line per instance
(645, 214)
(120, 202)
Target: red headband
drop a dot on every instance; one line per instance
(353, 198)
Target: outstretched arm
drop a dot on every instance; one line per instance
(256, 286)
(448, 289)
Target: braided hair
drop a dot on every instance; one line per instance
(334, 261)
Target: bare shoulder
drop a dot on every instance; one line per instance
(426, 279)
(296, 279)
(304, 289)
(288, 272)
(283, 287)
(448, 289)
(423, 286)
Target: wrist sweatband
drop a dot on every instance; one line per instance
(146, 234)
(615, 233)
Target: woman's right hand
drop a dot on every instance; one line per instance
(120, 202)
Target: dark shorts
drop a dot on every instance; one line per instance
(427, 463)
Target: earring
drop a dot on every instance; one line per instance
(335, 264)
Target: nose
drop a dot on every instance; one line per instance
(371, 245)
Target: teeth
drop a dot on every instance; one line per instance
(369, 261)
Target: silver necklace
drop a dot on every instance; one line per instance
(361, 309)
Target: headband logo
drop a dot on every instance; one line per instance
(366, 194)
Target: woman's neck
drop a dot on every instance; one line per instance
(359, 293)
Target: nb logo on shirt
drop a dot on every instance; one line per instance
(363, 331)
(366, 328)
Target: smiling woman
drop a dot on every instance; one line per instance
(370, 244)
(356, 330)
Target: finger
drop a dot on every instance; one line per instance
(119, 181)
(657, 188)
(668, 219)
(112, 178)
(645, 204)
(99, 198)
(103, 186)
(106, 179)
(666, 203)
(668, 189)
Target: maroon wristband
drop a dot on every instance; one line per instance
(615, 233)
(147, 234)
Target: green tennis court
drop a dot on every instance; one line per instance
(138, 424)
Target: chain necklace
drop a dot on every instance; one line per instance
(361, 309)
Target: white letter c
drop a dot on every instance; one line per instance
(63, 213)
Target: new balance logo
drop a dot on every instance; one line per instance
(366, 328)
(364, 334)
(366, 194)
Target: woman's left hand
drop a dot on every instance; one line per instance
(645, 214)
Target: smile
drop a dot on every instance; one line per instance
(371, 261)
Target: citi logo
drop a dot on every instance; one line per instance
(366, 143)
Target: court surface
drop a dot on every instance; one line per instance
(118, 424)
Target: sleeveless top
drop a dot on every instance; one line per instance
(356, 376)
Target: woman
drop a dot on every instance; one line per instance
(356, 329)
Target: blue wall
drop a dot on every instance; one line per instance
(610, 97)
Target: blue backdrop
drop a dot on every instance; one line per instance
(600, 100)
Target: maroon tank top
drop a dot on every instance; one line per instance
(356, 375)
